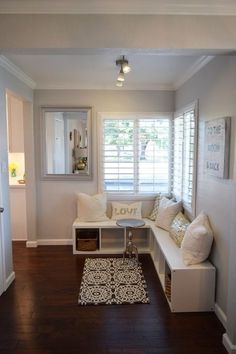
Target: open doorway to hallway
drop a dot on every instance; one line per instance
(16, 166)
(1, 252)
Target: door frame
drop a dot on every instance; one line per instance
(2, 259)
(5, 279)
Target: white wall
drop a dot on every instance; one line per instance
(215, 87)
(18, 213)
(7, 82)
(56, 201)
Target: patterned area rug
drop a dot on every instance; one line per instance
(109, 281)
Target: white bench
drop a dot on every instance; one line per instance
(187, 288)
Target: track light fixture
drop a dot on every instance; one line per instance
(124, 69)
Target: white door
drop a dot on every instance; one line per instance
(1, 257)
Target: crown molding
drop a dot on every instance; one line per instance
(13, 69)
(16, 71)
(199, 64)
(68, 86)
(136, 7)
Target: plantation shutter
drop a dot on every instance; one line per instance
(188, 158)
(118, 158)
(184, 143)
(178, 156)
(153, 152)
(135, 155)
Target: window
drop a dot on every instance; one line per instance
(184, 156)
(135, 154)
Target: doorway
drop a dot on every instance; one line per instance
(2, 265)
(16, 167)
(7, 274)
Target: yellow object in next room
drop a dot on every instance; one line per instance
(12, 168)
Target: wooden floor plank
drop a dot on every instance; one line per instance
(39, 314)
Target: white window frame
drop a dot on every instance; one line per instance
(130, 115)
(190, 209)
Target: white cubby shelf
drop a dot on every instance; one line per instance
(187, 288)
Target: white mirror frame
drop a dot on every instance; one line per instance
(82, 175)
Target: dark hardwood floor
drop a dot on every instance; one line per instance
(39, 313)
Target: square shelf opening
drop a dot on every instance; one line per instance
(87, 239)
(112, 238)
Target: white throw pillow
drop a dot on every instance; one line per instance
(126, 211)
(167, 211)
(197, 241)
(91, 208)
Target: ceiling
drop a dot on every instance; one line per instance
(99, 71)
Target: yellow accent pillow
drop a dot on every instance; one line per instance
(178, 228)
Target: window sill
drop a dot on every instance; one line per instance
(141, 197)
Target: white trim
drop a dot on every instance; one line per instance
(2, 251)
(9, 280)
(19, 239)
(187, 107)
(54, 242)
(231, 348)
(221, 315)
(17, 72)
(96, 86)
(31, 244)
(121, 7)
(197, 65)
(118, 115)
(48, 242)
(2, 258)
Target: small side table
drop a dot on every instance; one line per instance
(131, 248)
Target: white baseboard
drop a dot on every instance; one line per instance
(19, 239)
(221, 315)
(31, 244)
(231, 348)
(54, 242)
(9, 280)
(49, 242)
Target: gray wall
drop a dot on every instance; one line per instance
(215, 87)
(55, 199)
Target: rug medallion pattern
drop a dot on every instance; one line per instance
(110, 281)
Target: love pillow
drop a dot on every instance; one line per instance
(126, 211)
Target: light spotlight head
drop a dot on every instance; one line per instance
(121, 76)
(126, 68)
(119, 83)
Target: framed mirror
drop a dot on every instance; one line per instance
(66, 143)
